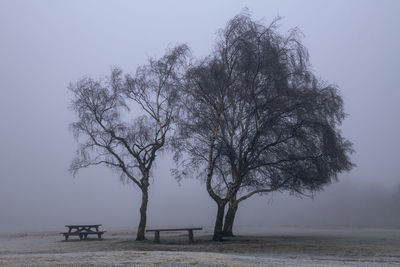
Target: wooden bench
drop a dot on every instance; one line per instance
(83, 231)
(157, 232)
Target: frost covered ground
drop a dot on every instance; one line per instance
(252, 247)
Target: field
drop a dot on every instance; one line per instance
(252, 247)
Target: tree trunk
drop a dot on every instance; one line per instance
(230, 218)
(143, 215)
(219, 222)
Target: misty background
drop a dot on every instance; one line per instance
(45, 45)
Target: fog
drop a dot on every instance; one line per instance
(45, 45)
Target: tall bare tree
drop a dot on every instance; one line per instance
(123, 122)
(274, 124)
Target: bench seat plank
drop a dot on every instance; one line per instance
(84, 233)
(82, 225)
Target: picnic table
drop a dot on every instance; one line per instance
(83, 230)
(157, 232)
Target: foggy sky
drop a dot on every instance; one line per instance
(45, 45)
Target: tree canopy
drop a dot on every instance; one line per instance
(258, 119)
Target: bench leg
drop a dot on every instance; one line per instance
(66, 237)
(99, 235)
(157, 236)
(80, 236)
(190, 232)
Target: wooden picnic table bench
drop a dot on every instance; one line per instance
(157, 232)
(83, 230)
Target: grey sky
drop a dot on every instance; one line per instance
(45, 45)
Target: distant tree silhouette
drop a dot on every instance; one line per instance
(124, 121)
(255, 119)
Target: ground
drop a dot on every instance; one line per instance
(254, 246)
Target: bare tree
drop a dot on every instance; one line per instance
(274, 124)
(124, 121)
(281, 128)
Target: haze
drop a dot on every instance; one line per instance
(45, 45)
